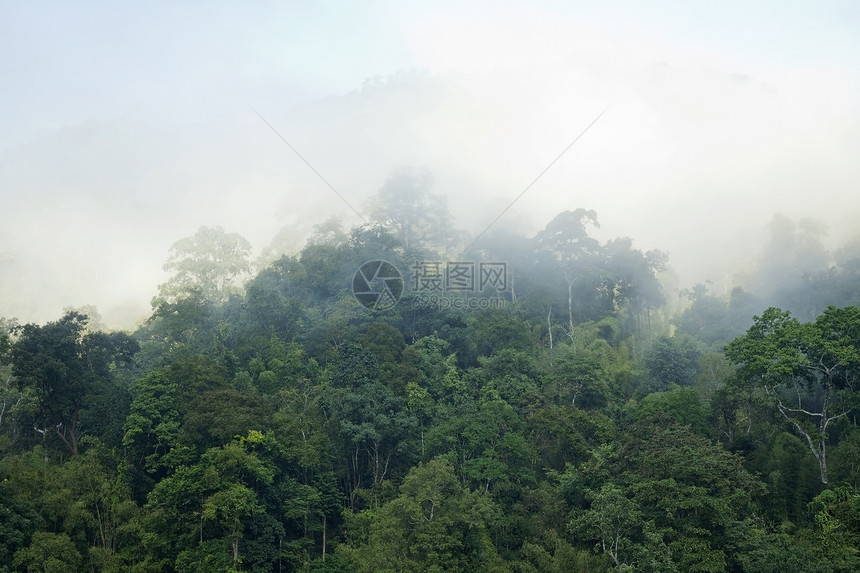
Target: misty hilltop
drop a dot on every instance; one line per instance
(401, 394)
(93, 208)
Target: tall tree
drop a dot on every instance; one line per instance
(810, 370)
(65, 367)
(566, 237)
(373, 423)
(406, 207)
(216, 498)
(630, 279)
(210, 261)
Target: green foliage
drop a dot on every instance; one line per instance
(218, 416)
(810, 370)
(777, 553)
(612, 519)
(495, 329)
(18, 521)
(662, 502)
(540, 520)
(288, 428)
(836, 514)
(68, 369)
(678, 405)
(579, 378)
(208, 262)
(716, 320)
(846, 459)
(566, 434)
(85, 505)
(513, 375)
(49, 552)
(673, 360)
(217, 497)
(435, 524)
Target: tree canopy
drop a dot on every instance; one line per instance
(583, 421)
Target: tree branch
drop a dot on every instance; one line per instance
(804, 433)
(771, 390)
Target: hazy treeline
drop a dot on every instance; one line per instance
(267, 421)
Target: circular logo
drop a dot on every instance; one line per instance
(377, 285)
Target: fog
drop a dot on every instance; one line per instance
(124, 129)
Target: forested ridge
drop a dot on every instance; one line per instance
(590, 419)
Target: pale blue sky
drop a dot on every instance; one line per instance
(65, 62)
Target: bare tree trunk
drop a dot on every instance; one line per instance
(72, 442)
(549, 326)
(72, 432)
(570, 305)
(355, 482)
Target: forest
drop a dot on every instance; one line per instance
(404, 396)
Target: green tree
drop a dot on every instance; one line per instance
(493, 329)
(567, 434)
(663, 501)
(511, 373)
(486, 439)
(396, 362)
(49, 552)
(152, 427)
(435, 524)
(218, 497)
(18, 521)
(437, 369)
(566, 238)
(810, 370)
(10, 395)
(679, 404)
(673, 360)
(371, 422)
(85, 500)
(716, 320)
(211, 261)
(268, 307)
(578, 378)
(406, 207)
(631, 282)
(230, 507)
(176, 327)
(102, 510)
(836, 513)
(540, 518)
(66, 368)
(691, 489)
(216, 417)
(613, 519)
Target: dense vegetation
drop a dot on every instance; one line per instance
(583, 425)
